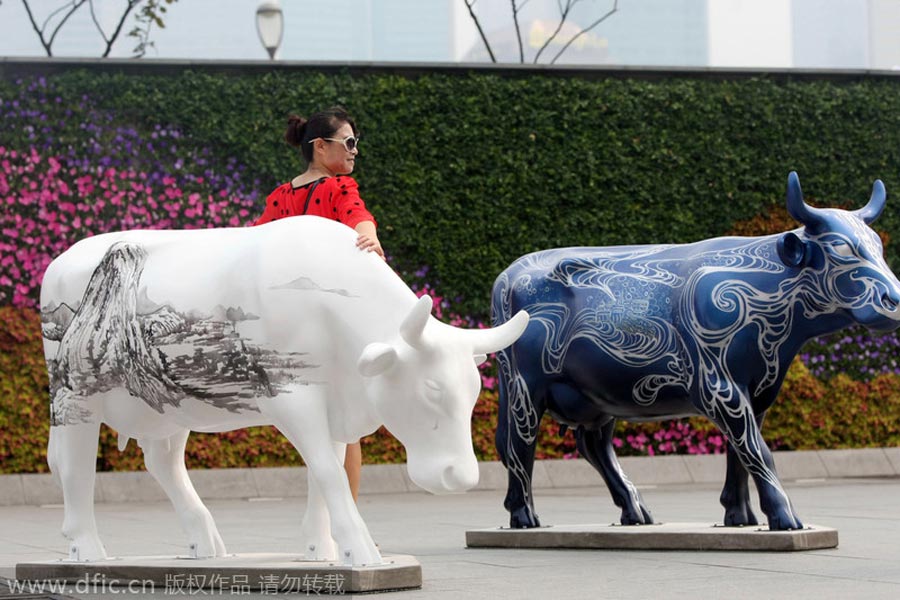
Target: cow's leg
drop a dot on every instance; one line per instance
(596, 446)
(316, 529)
(303, 418)
(72, 456)
(520, 412)
(736, 419)
(735, 496)
(165, 461)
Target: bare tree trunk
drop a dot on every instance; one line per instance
(469, 5)
(151, 12)
(563, 15)
(515, 13)
(112, 40)
(565, 9)
(48, 44)
(586, 29)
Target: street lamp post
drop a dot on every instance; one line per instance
(270, 25)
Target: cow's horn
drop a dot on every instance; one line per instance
(798, 209)
(485, 341)
(414, 324)
(872, 210)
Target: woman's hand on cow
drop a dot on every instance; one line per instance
(368, 239)
(369, 244)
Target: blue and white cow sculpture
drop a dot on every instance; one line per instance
(646, 333)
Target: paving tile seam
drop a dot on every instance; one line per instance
(791, 572)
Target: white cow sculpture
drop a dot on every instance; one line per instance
(159, 333)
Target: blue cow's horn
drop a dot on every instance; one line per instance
(872, 210)
(798, 209)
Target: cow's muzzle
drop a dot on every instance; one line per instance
(444, 476)
(455, 480)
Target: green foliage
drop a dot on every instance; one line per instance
(468, 170)
(24, 393)
(810, 414)
(837, 413)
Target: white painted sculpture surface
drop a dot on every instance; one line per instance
(159, 333)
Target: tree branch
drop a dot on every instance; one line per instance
(585, 30)
(469, 5)
(37, 29)
(76, 4)
(564, 14)
(145, 19)
(515, 11)
(97, 23)
(48, 44)
(115, 35)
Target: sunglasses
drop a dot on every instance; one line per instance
(350, 142)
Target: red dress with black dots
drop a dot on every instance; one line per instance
(336, 198)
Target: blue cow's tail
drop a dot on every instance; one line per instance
(501, 312)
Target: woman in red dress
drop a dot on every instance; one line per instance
(328, 142)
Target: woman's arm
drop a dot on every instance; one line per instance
(368, 238)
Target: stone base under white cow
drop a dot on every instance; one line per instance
(267, 573)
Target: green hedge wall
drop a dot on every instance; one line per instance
(467, 170)
(810, 414)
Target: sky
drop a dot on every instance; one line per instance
(719, 33)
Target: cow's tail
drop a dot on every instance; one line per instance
(501, 312)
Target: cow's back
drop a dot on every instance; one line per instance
(221, 316)
(279, 269)
(600, 328)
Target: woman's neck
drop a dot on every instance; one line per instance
(311, 174)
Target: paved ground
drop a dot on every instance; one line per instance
(865, 565)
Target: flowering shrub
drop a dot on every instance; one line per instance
(24, 400)
(810, 413)
(839, 412)
(856, 353)
(76, 172)
(70, 170)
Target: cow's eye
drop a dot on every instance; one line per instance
(433, 392)
(842, 249)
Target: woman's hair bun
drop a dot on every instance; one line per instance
(295, 130)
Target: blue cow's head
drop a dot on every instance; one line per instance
(847, 256)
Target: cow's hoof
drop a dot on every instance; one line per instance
(523, 518)
(321, 549)
(87, 549)
(203, 536)
(784, 521)
(363, 554)
(636, 518)
(740, 517)
(208, 548)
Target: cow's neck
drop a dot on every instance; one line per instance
(388, 301)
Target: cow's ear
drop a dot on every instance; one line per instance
(480, 358)
(792, 250)
(375, 359)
